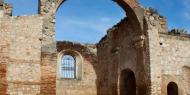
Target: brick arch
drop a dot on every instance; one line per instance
(125, 4)
(48, 8)
(131, 7)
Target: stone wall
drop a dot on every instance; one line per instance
(186, 78)
(86, 84)
(140, 43)
(47, 9)
(121, 50)
(169, 56)
(22, 35)
(155, 24)
(175, 62)
(5, 9)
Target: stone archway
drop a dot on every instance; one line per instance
(172, 89)
(131, 7)
(48, 8)
(127, 83)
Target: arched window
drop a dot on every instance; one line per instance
(172, 89)
(68, 67)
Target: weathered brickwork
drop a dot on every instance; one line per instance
(23, 72)
(23, 89)
(23, 66)
(137, 56)
(48, 74)
(3, 67)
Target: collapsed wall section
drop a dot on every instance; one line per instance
(5, 9)
(120, 50)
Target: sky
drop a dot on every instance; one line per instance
(86, 21)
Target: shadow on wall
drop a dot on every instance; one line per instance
(127, 83)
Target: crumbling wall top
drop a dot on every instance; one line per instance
(6, 9)
(1, 2)
(87, 48)
(154, 19)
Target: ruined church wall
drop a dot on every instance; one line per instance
(118, 51)
(103, 51)
(22, 37)
(175, 62)
(122, 55)
(155, 24)
(169, 56)
(85, 84)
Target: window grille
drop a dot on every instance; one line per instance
(68, 67)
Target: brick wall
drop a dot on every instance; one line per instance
(23, 35)
(3, 68)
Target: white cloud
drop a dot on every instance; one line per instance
(105, 19)
(187, 9)
(187, 15)
(99, 25)
(186, 3)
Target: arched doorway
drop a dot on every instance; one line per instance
(127, 83)
(49, 7)
(172, 89)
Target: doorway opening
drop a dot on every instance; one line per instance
(127, 83)
(172, 89)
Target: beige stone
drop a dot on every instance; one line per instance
(136, 57)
